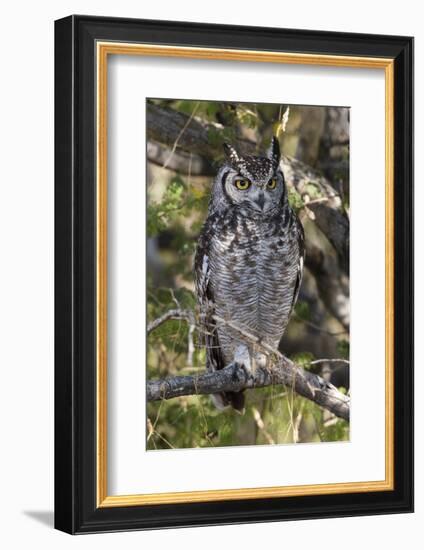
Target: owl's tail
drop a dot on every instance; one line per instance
(229, 399)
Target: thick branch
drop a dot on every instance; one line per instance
(180, 161)
(164, 125)
(235, 377)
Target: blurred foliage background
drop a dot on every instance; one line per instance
(184, 151)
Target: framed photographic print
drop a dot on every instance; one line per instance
(234, 270)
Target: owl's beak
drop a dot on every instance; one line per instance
(260, 201)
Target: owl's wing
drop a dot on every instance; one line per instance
(202, 270)
(301, 244)
(214, 357)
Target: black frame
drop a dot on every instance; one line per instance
(75, 275)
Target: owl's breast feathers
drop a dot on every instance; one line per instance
(249, 270)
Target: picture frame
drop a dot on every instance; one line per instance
(83, 45)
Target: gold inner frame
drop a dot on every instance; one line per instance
(104, 49)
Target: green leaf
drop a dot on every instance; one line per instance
(313, 190)
(303, 310)
(303, 359)
(295, 199)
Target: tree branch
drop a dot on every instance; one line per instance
(237, 376)
(165, 125)
(176, 314)
(180, 161)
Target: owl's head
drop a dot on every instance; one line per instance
(253, 182)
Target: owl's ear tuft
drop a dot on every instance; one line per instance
(231, 154)
(274, 153)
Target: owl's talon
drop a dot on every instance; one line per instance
(242, 357)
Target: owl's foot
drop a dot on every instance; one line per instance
(220, 401)
(223, 401)
(242, 358)
(259, 360)
(235, 400)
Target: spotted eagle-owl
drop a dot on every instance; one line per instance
(249, 260)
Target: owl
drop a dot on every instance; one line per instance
(249, 261)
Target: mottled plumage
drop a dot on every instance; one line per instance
(249, 259)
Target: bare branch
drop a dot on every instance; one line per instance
(181, 161)
(317, 327)
(183, 129)
(237, 377)
(164, 125)
(175, 314)
(339, 361)
(261, 426)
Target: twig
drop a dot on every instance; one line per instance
(190, 346)
(261, 426)
(317, 327)
(318, 361)
(183, 129)
(175, 314)
(248, 335)
(317, 201)
(297, 422)
(285, 119)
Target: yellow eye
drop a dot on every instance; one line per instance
(242, 184)
(272, 184)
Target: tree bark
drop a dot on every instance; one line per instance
(236, 377)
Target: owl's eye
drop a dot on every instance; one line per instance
(272, 184)
(242, 185)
